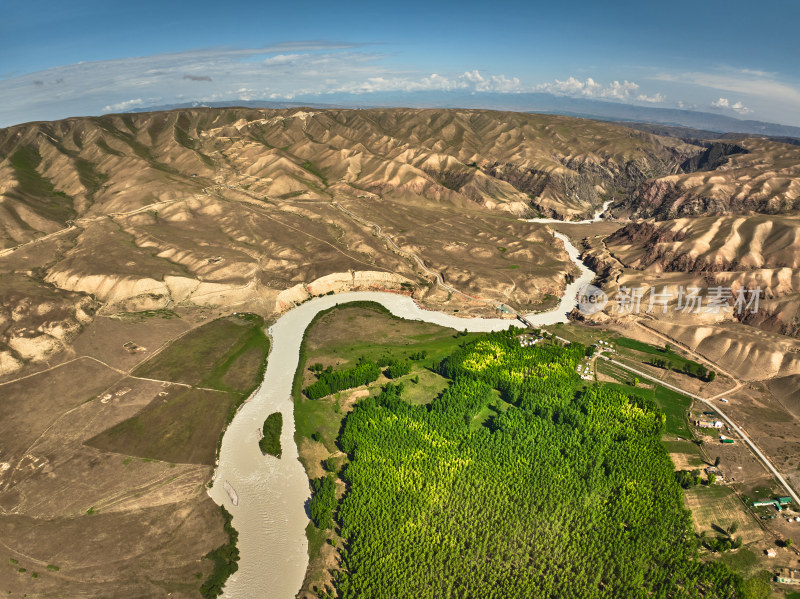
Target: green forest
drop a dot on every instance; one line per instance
(330, 381)
(567, 493)
(225, 558)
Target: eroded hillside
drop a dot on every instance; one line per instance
(752, 175)
(739, 253)
(121, 234)
(249, 208)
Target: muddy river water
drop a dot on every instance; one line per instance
(272, 493)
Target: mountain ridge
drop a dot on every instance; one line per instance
(522, 102)
(253, 207)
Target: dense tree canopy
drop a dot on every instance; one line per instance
(331, 381)
(565, 493)
(398, 369)
(270, 442)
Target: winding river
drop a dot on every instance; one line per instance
(271, 493)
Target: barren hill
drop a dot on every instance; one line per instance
(53, 172)
(243, 207)
(737, 252)
(248, 207)
(752, 175)
(121, 234)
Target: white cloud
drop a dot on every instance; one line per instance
(123, 106)
(724, 103)
(499, 83)
(741, 108)
(469, 81)
(620, 91)
(283, 59)
(742, 81)
(654, 99)
(473, 76)
(314, 69)
(623, 91)
(246, 94)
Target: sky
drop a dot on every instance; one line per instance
(735, 58)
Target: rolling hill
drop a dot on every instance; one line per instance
(257, 208)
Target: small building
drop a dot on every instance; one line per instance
(770, 552)
(528, 340)
(708, 424)
(726, 441)
(788, 576)
(778, 503)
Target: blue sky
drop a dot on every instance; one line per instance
(735, 58)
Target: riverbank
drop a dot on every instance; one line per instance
(339, 338)
(272, 493)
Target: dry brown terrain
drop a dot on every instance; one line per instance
(112, 524)
(752, 175)
(242, 208)
(249, 208)
(107, 223)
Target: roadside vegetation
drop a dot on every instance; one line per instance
(664, 357)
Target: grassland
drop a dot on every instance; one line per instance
(205, 357)
(672, 360)
(717, 506)
(340, 336)
(219, 364)
(181, 428)
(743, 561)
(673, 405)
(37, 189)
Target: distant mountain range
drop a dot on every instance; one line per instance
(700, 137)
(709, 123)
